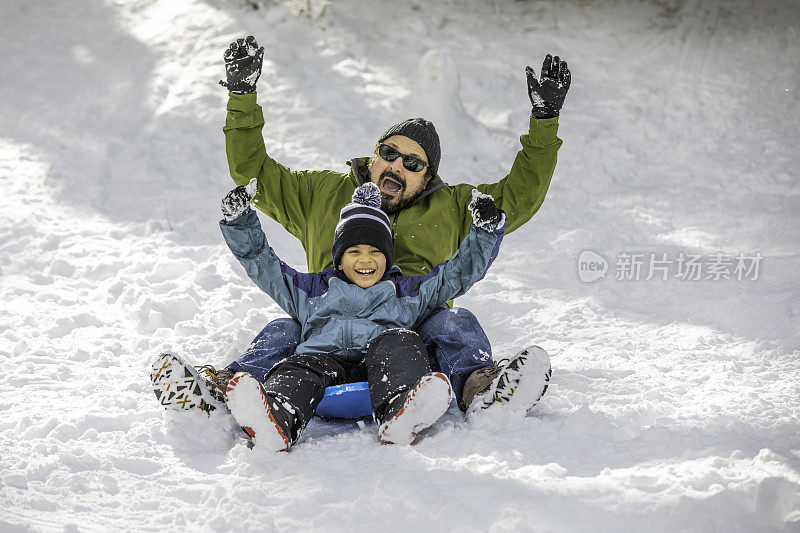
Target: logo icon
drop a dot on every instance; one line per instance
(591, 266)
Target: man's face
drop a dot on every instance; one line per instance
(399, 186)
(363, 264)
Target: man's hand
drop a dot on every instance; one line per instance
(547, 93)
(237, 201)
(485, 214)
(243, 60)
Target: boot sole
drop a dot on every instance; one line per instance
(525, 382)
(179, 386)
(425, 404)
(250, 407)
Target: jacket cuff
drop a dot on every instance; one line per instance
(543, 131)
(243, 112)
(243, 103)
(248, 219)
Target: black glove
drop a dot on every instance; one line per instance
(237, 201)
(485, 214)
(243, 60)
(547, 93)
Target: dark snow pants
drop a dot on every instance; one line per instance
(395, 361)
(455, 341)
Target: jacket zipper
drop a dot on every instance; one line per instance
(394, 225)
(348, 331)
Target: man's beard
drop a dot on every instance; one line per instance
(393, 204)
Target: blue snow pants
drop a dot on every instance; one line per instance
(456, 344)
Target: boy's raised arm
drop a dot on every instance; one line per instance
(469, 264)
(245, 238)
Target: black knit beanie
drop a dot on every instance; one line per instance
(424, 133)
(363, 222)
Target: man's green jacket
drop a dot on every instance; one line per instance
(307, 202)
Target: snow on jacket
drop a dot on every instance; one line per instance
(307, 203)
(340, 317)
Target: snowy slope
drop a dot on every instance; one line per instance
(674, 403)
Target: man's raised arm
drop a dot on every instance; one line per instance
(283, 195)
(522, 191)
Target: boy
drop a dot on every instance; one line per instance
(353, 319)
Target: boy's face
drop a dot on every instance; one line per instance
(363, 264)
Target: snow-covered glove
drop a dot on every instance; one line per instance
(485, 214)
(237, 202)
(243, 60)
(547, 93)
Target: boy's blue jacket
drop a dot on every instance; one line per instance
(338, 316)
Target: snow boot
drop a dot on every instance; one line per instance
(178, 385)
(272, 423)
(410, 412)
(516, 384)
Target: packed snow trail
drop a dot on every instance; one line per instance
(673, 404)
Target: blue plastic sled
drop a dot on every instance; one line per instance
(350, 400)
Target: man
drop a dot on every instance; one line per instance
(429, 220)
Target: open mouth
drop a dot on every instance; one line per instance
(390, 185)
(366, 272)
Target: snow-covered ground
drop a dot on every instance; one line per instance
(674, 404)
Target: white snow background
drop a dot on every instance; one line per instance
(674, 403)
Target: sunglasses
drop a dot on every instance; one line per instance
(414, 164)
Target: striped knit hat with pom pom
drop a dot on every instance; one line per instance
(363, 222)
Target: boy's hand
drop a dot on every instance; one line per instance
(485, 214)
(237, 201)
(243, 60)
(547, 93)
